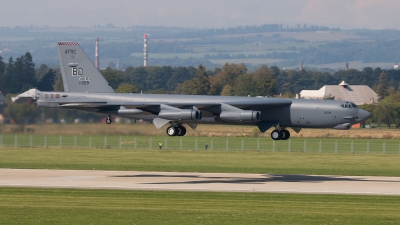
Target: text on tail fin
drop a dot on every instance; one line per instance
(78, 71)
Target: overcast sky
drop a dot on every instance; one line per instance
(372, 14)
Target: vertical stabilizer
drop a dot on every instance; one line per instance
(78, 71)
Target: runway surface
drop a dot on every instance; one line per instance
(221, 182)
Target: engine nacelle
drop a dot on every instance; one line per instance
(183, 114)
(244, 116)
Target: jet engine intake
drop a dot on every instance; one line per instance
(183, 114)
(243, 116)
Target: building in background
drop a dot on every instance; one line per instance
(359, 94)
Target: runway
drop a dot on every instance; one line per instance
(215, 182)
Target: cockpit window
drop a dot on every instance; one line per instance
(348, 105)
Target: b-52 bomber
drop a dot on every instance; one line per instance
(85, 89)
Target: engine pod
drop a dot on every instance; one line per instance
(183, 114)
(243, 116)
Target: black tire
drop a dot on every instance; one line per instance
(172, 131)
(286, 134)
(178, 131)
(108, 121)
(276, 135)
(182, 131)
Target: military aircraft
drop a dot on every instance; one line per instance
(86, 89)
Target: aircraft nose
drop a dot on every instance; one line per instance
(363, 115)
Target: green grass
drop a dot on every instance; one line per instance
(68, 206)
(262, 144)
(201, 161)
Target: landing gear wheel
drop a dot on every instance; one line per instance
(172, 131)
(181, 131)
(276, 135)
(108, 120)
(286, 134)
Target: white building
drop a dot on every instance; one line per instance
(359, 94)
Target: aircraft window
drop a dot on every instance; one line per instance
(354, 105)
(341, 105)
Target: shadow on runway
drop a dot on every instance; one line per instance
(198, 179)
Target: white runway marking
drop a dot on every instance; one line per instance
(221, 182)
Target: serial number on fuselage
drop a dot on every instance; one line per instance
(327, 112)
(83, 82)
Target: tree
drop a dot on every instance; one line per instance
(370, 108)
(329, 97)
(58, 85)
(2, 66)
(180, 75)
(47, 81)
(20, 113)
(28, 72)
(388, 110)
(227, 76)
(126, 88)
(266, 83)
(382, 87)
(136, 76)
(227, 91)
(386, 113)
(230, 72)
(113, 77)
(244, 85)
(199, 85)
(153, 80)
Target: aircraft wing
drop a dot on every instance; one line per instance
(255, 104)
(216, 107)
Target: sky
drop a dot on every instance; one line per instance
(345, 14)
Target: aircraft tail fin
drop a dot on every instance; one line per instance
(78, 72)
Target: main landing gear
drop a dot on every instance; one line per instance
(280, 134)
(176, 130)
(108, 120)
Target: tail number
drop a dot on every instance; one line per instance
(84, 80)
(77, 71)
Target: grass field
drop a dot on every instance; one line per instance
(147, 129)
(69, 206)
(201, 161)
(66, 206)
(262, 144)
